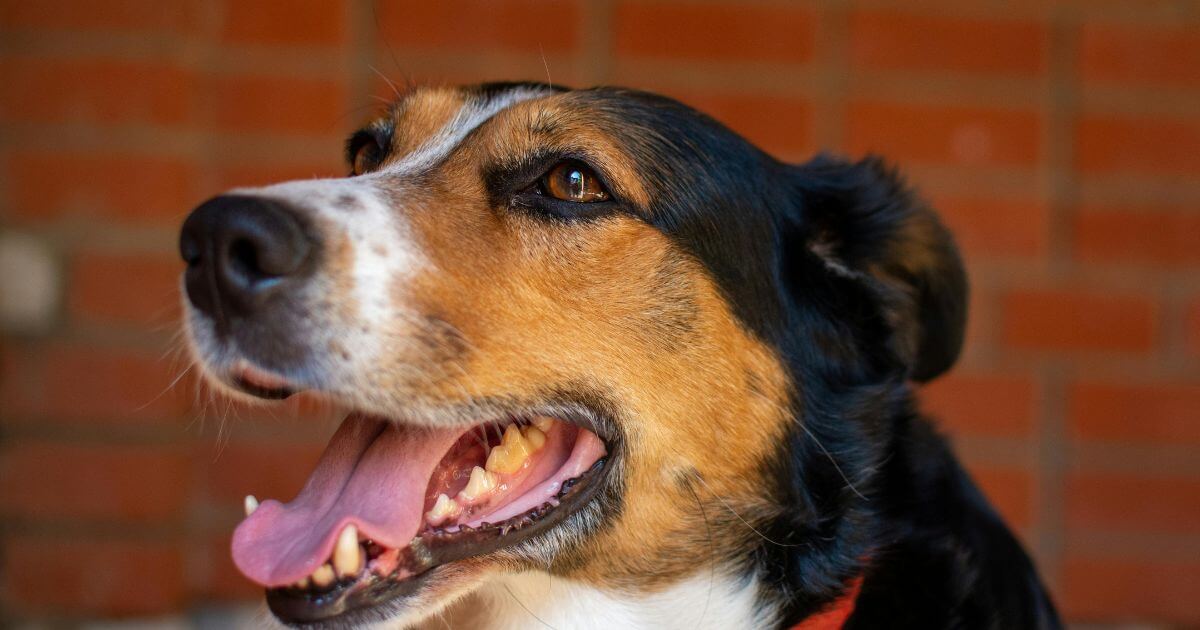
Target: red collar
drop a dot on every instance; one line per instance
(834, 616)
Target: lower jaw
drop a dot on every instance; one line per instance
(363, 598)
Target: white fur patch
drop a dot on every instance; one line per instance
(469, 117)
(384, 250)
(539, 600)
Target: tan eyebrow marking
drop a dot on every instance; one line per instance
(469, 116)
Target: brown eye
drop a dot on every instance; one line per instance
(367, 148)
(364, 158)
(573, 181)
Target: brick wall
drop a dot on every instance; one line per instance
(1060, 139)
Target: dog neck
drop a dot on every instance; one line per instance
(538, 599)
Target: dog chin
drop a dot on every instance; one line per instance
(454, 595)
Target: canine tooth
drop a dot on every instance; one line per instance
(250, 504)
(301, 584)
(443, 509)
(347, 555)
(480, 483)
(535, 437)
(323, 576)
(543, 423)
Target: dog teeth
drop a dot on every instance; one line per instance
(543, 423)
(535, 437)
(347, 555)
(250, 504)
(512, 452)
(443, 510)
(513, 440)
(480, 484)
(346, 561)
(323, 576)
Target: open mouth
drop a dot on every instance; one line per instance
(389, 502)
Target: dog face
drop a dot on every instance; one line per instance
(582, 332)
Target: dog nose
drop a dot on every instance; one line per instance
(241, 250)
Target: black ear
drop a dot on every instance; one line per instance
(862, 222)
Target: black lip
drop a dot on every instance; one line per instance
(263, 392)
(352, 603)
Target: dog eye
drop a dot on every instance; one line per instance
(365, 157)
(364, 151)
(573, 181)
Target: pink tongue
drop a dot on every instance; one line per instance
(372, 474)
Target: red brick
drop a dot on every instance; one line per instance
(1146, 235)
(1193, 328)
(128, 484)
(94, 91)
(779, 125)
(73, 576)
(1167, 413)
(46, 184)
(997, 227)
(893, 40)
(1140, 55)
(1074, 320)
(266, 469)
(100, 289)
(1143, 145)
(15, 381)
(718, 32)
(297, 22)
(982, 404)
(279, 104)
(531, 26)
(145, 16)
(981, 320)
(76, 384)
(1098, 589)
(224, 583)
(1009, 490)
(943, 134)
(260, 174)
(1127, 503)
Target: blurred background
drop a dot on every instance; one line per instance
(1059, 139)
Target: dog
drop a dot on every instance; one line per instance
(608, 365)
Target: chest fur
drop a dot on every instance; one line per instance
(540, 600)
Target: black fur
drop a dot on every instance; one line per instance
(842, 269)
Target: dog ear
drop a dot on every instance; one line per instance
(862, 222)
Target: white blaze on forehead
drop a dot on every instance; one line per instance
(472, 114)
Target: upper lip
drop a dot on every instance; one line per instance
(270, 385)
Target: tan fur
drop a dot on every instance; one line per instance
(421, 115)
(610, 303)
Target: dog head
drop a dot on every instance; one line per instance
(589, 332)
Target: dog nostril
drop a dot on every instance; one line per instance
(239, 250)
(268, 251)
(243, 257)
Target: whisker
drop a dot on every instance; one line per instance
(712, 563)
(833, 461)
(744, 521)
(522, 605)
